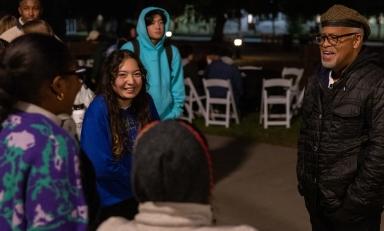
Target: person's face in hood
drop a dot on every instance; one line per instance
(156, 29)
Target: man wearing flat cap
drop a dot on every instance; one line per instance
(340, 166)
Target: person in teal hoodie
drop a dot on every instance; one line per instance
(165, 81)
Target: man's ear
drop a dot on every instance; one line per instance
(357, 42)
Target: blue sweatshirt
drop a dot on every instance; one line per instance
(164, 85)
(113, 177)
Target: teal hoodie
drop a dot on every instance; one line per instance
(164, 85)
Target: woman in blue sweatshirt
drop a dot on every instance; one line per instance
(109, 130)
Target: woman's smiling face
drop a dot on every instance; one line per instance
(128, 82)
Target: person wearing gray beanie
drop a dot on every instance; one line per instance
(340, 167)
(172, 180)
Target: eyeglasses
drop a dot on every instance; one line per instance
(333, 40)
(79, 72)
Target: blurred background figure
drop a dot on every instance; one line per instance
(218, 69)
(37, 26)
(39, 165)
(191, 68)
(125, 32)
(29, 10)
(6, 22)
(173, 181)
(226, 56)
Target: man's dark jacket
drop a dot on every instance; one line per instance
(340, 166)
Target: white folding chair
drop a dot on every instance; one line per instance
(216, 117)
(296, 74)
(191, 98)
(299, 101)
(269, 99)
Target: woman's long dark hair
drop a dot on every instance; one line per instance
(140, 104)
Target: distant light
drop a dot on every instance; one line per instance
(168, 34)
(99, 17)
(250, 18)
(372, 20)
(238, 42)
(318, 18)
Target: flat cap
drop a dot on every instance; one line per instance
(340, 15)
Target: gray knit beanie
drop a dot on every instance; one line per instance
(171, 163)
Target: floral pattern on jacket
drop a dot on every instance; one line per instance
(40, 184)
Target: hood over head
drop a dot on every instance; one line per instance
(141, 28)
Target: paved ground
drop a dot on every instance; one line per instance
(256, 185)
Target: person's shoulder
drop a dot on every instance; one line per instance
(228, 60)
(151, 103)
(149, 96)
(28, 127)
(127, 46)
(244, 228)
(116, 224)
(3, 43)
(369, 69)
(35, 118)
(175, 50)
(227, 228)
(22, 121)
(98, 104)
(11, 34)
(98, 99)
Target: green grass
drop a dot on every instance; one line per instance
(249, 129)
